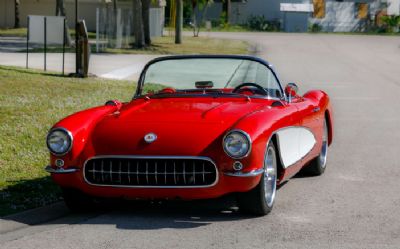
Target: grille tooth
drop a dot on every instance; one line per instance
(151, 172)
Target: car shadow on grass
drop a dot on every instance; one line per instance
(33, 71)
(28, 194)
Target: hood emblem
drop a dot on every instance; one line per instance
(149, 138)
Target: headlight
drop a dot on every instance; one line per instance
(237, 144)
(59, 141)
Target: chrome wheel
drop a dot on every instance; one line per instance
(324, 150)
(270, 176)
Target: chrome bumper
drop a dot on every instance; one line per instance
(60, 171)
(247, 174)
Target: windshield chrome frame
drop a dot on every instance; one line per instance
(183, 57)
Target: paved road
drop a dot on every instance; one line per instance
(355, 204)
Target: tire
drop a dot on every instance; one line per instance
(78, 202)
(260, 200)
(318, 165)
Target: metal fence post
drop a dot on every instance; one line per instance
(45, 43)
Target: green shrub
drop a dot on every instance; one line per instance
(315, 28)
(260, 23)
(392, 22)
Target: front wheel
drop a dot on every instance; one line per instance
(260, 200)
(318, 165)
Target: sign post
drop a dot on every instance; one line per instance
(46, 31)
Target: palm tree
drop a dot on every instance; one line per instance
(16, 14)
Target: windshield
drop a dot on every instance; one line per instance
(211, 74)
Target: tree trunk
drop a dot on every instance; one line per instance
(60, 8)
(227, 10)
(179, 22)
(16, 14)
(194, 17)
(203, 14)
(114, 18)
(60, 11)
(138, 24)
(146, 21)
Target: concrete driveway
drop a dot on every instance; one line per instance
(355, 204)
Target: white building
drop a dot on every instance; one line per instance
(87, 10)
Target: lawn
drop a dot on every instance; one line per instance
(190, 45)
(160, 45)
(31, 102)
(21, 32)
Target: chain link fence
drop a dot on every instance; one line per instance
(114, 27)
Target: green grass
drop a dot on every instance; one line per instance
(31, 102)
(221, 28)
(21, 32)
(166, 45)
(190, 45)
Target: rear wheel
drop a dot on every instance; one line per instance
(260, 200)
(318, 165)
(77, 202)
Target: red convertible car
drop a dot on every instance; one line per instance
(198, 127)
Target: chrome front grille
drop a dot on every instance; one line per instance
(151, 171)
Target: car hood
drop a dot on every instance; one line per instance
(183, 126)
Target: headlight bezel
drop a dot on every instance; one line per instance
(69, 136)
(247, 138)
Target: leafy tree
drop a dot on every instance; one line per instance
(16, 14)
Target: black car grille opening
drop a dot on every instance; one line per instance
(151, 172)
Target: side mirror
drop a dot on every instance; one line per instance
(291, 90)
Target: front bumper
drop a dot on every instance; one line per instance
(60, 170)
(227, 183)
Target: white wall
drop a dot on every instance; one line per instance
(394, 7)
(342, 16)
(87, 11)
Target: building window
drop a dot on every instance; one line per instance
(319, 9)
(362, 10)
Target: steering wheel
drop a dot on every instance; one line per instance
(259, 88)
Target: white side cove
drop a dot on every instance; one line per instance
(294, 144)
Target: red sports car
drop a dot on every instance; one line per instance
(198, 127)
